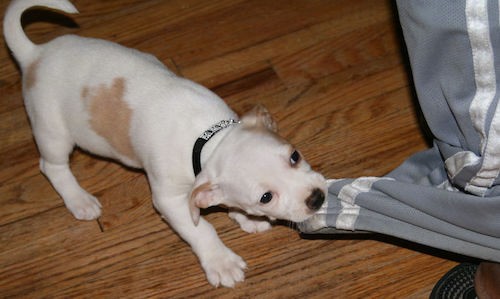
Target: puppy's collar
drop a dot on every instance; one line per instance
(204, 138)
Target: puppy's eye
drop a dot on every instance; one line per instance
(266, 198)
(294, 158)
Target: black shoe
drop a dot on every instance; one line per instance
(457, 283)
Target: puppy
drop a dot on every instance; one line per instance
(123, 104)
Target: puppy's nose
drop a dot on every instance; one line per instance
(315, 200)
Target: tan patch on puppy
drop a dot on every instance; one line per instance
(30, 75)
(85, 92)
(110, 115)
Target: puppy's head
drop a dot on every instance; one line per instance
(255, 170)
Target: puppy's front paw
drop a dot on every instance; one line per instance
(250, 225)
(84, 206)
(224, 268)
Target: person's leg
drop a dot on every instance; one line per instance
(447, 197)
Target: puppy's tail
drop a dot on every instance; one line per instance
(24, 49)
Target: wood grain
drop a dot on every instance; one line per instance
(334, 76)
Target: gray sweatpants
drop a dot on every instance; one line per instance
(447, 197)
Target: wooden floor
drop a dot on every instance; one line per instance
(334, 75)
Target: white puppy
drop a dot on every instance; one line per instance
(123, 104)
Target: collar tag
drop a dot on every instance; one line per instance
(216, 128)
(204, 138)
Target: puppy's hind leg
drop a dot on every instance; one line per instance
(54, 163)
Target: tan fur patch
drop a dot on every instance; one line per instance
(110, 115)
(30, 75)
(85, 92)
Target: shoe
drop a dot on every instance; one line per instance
(457, 283)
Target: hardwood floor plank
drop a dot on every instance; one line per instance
(32, 249)
(264, 20)
(357, 18)
(243, 84)
(25, 191)
(349, 135)
(353, 49)
(125, 203)
(27, 196)
(14, 126)
(67, 267)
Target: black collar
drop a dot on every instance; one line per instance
(204, 138)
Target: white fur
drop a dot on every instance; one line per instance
(239, 164)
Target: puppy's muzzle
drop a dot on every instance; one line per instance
(315, 200)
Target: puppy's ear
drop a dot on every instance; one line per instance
(204, 195)
(260, 117)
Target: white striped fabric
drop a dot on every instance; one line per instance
(347, 195)
(485, 78)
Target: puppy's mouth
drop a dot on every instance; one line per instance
(314, 203)
(310, 206)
